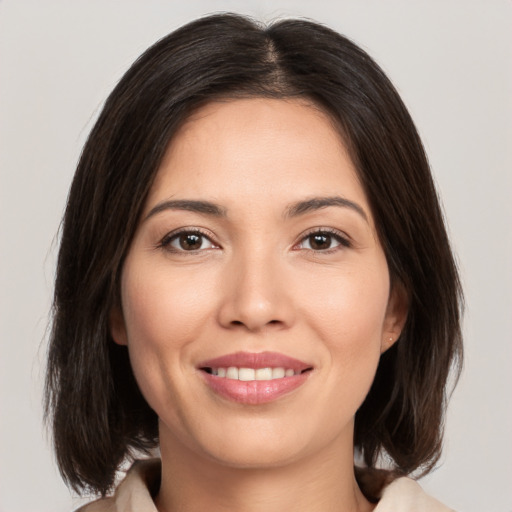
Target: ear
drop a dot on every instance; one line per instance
(396, 316)
(117, 326)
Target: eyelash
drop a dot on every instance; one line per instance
(338, 236)
(166, 241)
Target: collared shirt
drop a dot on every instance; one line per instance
(134, 494)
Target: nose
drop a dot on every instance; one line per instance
(255, 294)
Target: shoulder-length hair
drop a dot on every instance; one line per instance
(98, 415)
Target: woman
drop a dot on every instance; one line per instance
(255, 277)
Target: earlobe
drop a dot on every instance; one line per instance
(396, 316)
(117, 326)
(388, 342)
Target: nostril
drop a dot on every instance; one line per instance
(271, 322)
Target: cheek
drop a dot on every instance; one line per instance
(159, 307)
(349, 318)
(163, 315)
(350, 306)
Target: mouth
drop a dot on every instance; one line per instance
(254, 378)
(250, 374)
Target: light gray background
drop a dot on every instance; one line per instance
(452, 62)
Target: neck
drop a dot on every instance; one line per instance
(323, 482)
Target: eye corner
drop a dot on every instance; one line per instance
(198, 241)
(332, 239)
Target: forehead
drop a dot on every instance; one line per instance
(257, 149)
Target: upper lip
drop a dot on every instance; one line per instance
(256, 360)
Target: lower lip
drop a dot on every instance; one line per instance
(254, 392)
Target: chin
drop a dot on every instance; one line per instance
(258, 443)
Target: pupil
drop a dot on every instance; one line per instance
(320, 241)
(190, 242)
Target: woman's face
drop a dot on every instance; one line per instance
(256, 295)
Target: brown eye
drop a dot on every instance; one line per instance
(188, 241)
(323, 241)
(320, 241)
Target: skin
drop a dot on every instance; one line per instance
(257, 282)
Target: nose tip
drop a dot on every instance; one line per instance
(255, 299)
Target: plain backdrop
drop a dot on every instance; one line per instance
(452, 63)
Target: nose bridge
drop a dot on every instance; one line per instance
(255, 292)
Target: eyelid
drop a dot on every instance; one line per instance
(343, 239)
(166, 240)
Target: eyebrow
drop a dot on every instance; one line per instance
(317, 203)
(204, 207)
(293, 210)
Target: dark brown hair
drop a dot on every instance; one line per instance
(97, 412)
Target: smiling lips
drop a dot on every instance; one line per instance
(254, 378)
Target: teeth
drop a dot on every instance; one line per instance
(278, 373)
(263, 374)
(232, 373)
(248, 374)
